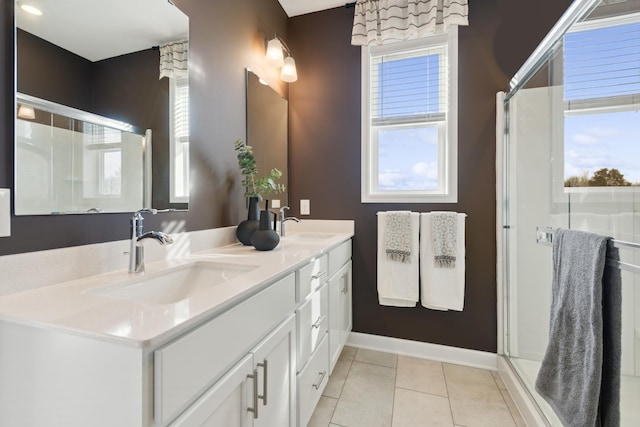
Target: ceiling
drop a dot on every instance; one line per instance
(99, 29)
(300, 7)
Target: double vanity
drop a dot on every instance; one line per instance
(226, 336)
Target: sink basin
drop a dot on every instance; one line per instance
(308, 237)
(174, 285)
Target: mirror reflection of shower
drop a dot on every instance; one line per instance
(75, 162)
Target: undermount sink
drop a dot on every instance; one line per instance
(174, 285)
(311, 237)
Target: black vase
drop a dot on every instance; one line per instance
(265, 238)
(246, 228)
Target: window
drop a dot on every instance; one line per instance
(179, 143)
(602, 103)
(409, 120)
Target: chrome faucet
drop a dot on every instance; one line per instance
(284, 219)
(136, 250)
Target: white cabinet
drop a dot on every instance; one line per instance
(275, 371)
(312, 321)
(226, 403)
(258, 391)
(189, 365)
(340, 322)
(263, 361)
(340, 311)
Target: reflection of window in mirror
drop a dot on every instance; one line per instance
(179, 139)
(601, 86)
(102, 165)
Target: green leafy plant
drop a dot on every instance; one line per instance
(256, 187)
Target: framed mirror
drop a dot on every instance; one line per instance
(267, 131)
(97, 128)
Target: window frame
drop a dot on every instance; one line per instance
(448, 140)
(178, 147)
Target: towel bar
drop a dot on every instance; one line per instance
(544, 236)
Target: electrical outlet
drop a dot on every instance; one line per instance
(305, 208)
(275, 203)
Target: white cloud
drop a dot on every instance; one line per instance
(585, 139)
(425, 170)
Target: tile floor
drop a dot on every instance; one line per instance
(375, 389)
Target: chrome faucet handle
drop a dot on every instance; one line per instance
(139, 213)
(282, 209)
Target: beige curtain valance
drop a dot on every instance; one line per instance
(376, 21)
(174, 60)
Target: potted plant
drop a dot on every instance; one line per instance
(256, 188)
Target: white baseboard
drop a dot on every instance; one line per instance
(422, 350)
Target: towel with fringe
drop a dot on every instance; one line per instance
(444, 233)
(398, 283)
(397, 236)
(441, 288)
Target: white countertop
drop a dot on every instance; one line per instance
(72, 306)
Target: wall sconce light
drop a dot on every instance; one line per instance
(275, 58)
(26, 112)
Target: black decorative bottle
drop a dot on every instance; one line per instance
(266, 238)
(246, 228)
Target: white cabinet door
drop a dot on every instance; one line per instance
(227, 403)
(346, 318)
(340, 323)
(274, 362)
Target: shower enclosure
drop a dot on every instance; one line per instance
(570, 158)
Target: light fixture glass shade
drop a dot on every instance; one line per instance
(30, 9)
(275, 56)
(26, 112)
(289, 73)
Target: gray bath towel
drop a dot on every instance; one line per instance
(580, 372)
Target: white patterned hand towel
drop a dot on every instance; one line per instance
(397, 236)
(398, 283)
(444, 234)
(441, 288)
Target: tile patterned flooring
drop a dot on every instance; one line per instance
(374, 389)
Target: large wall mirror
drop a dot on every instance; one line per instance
(97, 129)
(267, 131)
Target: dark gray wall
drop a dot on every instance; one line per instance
(225, 38)
(325, 156)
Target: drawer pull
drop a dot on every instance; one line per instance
(319, 275)
(320, 378)
(255, 394)
(263, 396)
(318, 322)
(345, 284)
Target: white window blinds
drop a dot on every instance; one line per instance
(602, 65)
(409, 86)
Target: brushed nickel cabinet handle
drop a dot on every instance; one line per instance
(255, 394)
(264, 365)
(320, 378)
(345, 284)
(319, 275)
(318, 322)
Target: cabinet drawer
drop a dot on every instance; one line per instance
(184, 368)
(313, 323)
(310, 277)
(312, 381)
(339, 256)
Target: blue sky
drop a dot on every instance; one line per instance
(408, 155)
